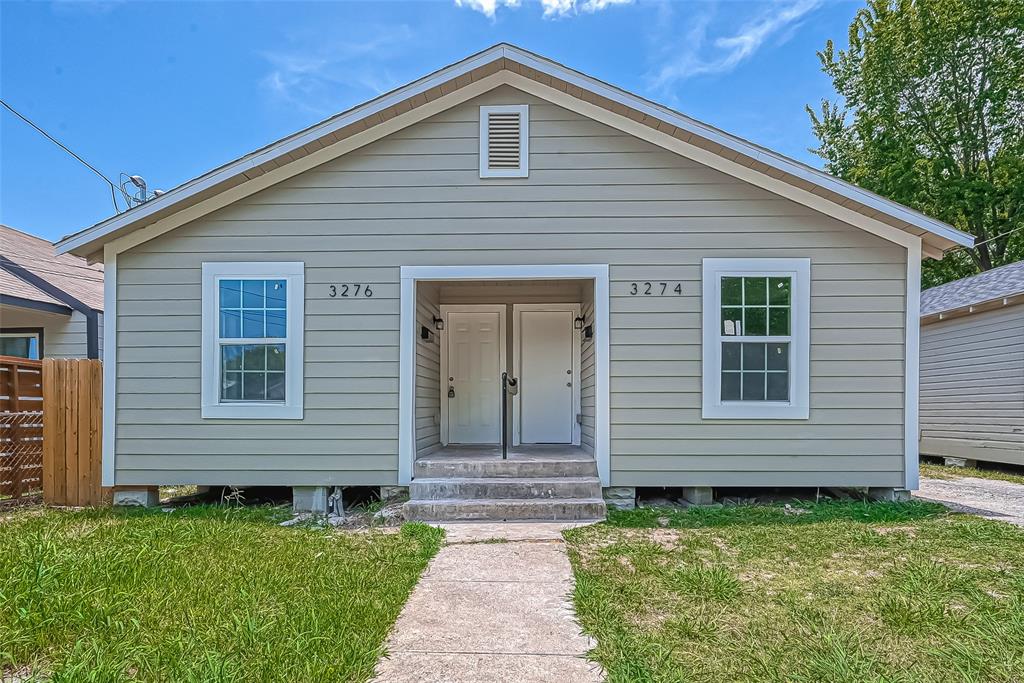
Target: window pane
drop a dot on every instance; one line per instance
(252, 293)
(778, 356)
(778, 322)
(231, 357)
(778, 386)
(730, 386)
(254, 358)
(731, 356)
(755, 322)
(230, 294)
(275, 357)
(753, 356)
(231, 386)
(753, 386)
(755, 291)
(230, 324)
(277, 323)
(275, 386)
(277, 293)
(21, 347)
(252, 324)
(254, 386)
(779, 291)
(732, 291)
(732, 319)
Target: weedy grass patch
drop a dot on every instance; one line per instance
(206, 593)
(952, 473)
(836, 591)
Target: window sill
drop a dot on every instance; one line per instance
(762, 411)
(239, 411)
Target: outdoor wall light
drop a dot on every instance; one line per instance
(438, 323)
(577, 323)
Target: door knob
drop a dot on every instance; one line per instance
(451, 392)
(568, 384)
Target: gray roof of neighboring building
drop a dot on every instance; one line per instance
(997, 283)
(66, 272)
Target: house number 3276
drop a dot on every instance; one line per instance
(350, 291)
(655, 289)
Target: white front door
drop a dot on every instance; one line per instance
(474, 377)
(546, 405)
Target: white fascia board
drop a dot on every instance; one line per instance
(743, 147)
(276, 150)
(560, 72)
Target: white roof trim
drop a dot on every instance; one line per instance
(334, 124)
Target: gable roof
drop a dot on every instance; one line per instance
(508, 59)
(999, 283)
(30, 269)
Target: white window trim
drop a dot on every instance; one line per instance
(524, 141)
(291, 408)
(798, 407)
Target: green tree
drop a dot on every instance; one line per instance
(932, 116)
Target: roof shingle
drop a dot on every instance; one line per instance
(67, 272)
(997, 283)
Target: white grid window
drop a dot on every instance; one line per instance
(756, 338)
(252, 340)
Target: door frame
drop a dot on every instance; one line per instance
(517, 361)
(443, 340)
(408, 335)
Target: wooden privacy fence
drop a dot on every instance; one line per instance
(72, 430)
(21, 427)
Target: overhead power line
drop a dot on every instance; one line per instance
(113, 188)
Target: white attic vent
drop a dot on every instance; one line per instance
(505, 141)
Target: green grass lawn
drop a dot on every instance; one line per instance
(834, 591)
(942, 472)
(200, 594)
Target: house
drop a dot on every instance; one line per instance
(972, 368)
(677, 307)
(50, 305)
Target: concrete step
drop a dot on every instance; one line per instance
(463, 488)
(506, 509)
(517, 468)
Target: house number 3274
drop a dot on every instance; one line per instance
(655, 289)
(350, 291)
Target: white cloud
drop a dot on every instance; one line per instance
(486, 7)
(552, 8)
(696, 55)
(325, 79)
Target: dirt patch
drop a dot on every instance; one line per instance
(990, 498)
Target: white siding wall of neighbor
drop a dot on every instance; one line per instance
(64, 336)
(594, 195)
(972, 386)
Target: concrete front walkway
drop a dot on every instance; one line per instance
(989, 498)
(494, 605)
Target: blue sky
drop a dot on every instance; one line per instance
(169, 90)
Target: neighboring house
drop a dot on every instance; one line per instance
(680, 307)
(51, 305)
(972, 368)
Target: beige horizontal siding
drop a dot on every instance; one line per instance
(972, 386)
(594, 195)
